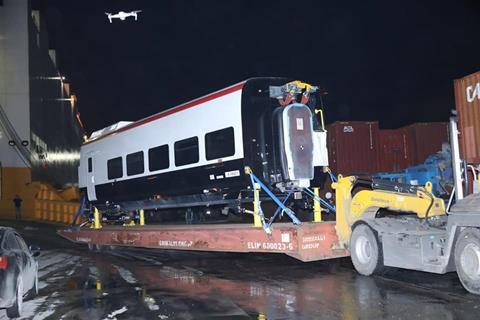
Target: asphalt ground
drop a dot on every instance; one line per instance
(127, 283)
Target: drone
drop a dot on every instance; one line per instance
(123, 15)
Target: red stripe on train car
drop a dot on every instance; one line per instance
(176, 109)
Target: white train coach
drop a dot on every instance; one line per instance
(195, 154)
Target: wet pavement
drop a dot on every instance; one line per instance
(124, 283)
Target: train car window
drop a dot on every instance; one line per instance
(220, 143)
(135, 163)
(186, 151)
(114, 168)
(158, 158)
(90, 165)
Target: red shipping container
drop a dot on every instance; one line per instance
(467, 101)
(353, 147)
(427, 138)
(396, 150)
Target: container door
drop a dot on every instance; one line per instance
(298, 142)
(92, 196)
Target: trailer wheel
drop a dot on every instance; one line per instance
(365, 250)
(467, 259)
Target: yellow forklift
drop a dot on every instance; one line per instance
(384, 224)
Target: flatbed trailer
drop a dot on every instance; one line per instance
(309, 241)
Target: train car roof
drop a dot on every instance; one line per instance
(106, 130)
(114, 129)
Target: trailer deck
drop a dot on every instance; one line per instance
(309, 241)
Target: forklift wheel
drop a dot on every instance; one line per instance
(365, 250)
(467, 259)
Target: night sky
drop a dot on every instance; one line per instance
(389, 61)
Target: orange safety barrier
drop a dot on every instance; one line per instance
(42, 202)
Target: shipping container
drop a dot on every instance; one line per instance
(396, 150)
(353, 147)
(467, 101)
(427, 138)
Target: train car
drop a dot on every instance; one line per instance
(195, 154)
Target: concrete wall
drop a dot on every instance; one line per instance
(14, 75)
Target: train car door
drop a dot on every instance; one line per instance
(92, 195)
(298, 142)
